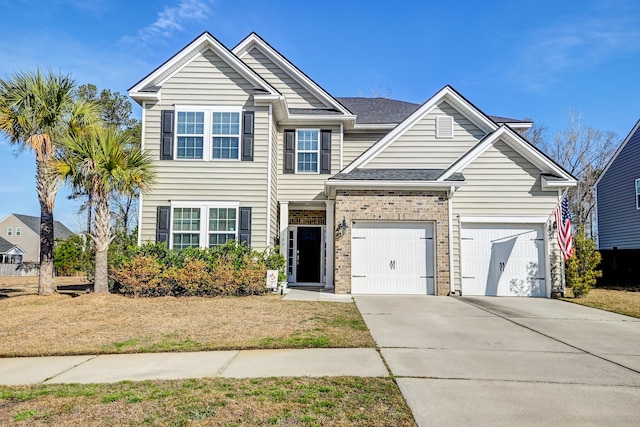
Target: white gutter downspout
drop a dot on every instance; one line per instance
(144, 107)
(269, 179)
(452, 286)
(341, 144)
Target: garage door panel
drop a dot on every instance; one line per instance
(392, 258)
(503, 260)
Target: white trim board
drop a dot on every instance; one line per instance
(618, 151)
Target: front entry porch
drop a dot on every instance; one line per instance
(305, 243)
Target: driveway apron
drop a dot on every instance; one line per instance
(508, 361)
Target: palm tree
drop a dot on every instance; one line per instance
(104, 162)
(35, 110)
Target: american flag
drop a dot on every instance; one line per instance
(563, 222)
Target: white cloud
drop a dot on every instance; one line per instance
(172, 19)
(571, 46)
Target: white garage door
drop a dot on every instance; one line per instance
(392, 258)
(503, 260)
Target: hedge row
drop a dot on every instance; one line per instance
(231, 269)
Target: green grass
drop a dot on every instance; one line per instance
(340, 401)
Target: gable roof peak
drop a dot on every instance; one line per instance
(139, 91)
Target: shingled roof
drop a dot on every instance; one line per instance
(395, 175)
(5, 246)
(390, 111)
(60, 231)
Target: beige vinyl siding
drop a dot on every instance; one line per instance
(297, 96)
(357, 143)
(500, 183)
(419, 148)
(208, 81)
(306, 186)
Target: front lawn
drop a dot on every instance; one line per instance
(617, 301)
(339, 401)
(98, 324)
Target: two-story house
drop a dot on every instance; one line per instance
(366, 195)
(23, 231)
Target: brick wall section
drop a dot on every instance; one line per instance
(372, 205)
(307, 217)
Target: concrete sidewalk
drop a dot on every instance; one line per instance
(109, 368)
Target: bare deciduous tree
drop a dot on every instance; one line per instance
(583, 151)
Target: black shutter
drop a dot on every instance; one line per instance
(247, 136)
(325, 151)
(166, 140)
(289, 151)
(163, 219)
(244, 228)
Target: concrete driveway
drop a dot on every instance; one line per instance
(508, 361)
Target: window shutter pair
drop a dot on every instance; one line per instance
(167, 120)
(290, 151)
(163, 221)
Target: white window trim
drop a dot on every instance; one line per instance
(204, 218)
(207, 143)
(317, 172)
(441, 122)
(9, 231)
(637, 193)
(18, 231)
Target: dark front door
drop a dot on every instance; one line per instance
(308, 269)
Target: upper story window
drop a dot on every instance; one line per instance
(208, 134)
(9, 231)
(638, 193)
(190, 133)
(18, 231)
(307, 150)
(204, 225)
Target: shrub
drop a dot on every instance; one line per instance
(140, 277)
(72, 255)
(581, 273)
(230, 269)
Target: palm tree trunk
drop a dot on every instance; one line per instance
(46, 187)
(102, 238)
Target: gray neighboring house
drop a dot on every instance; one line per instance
(362, 195)
(24, 232)
(618, 197)
(618, 213)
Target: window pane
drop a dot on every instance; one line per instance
(222, 219)
(638, 186)
(190, 147)
(186, 219)
(226, 123)
(181, 241)
(307, 162)
(308, 139)
(191, 122)
(225, 148)
(219, 239)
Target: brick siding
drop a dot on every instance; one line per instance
(372, 205)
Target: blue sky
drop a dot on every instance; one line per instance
(531, 58)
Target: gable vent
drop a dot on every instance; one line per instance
(444, 127)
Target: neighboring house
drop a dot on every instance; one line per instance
(618, 212)
(10, 253)
(24, 232)
(367, 195)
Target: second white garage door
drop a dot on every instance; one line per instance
(392, 258)
(503, 260)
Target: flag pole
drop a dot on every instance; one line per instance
(563, 282)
